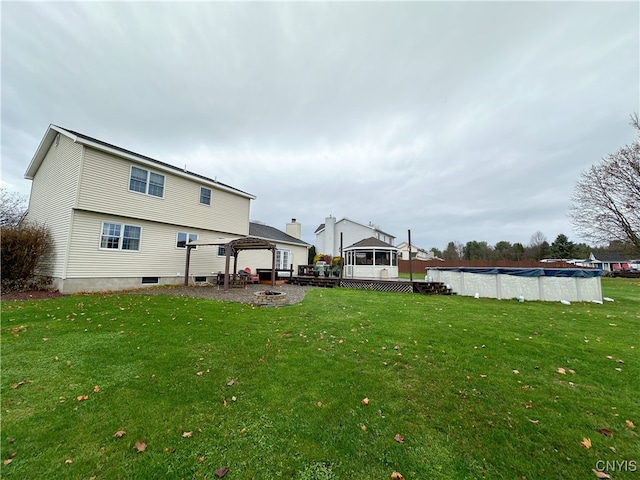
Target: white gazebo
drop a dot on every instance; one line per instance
(371, 258)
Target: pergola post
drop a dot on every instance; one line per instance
(227, 261)
(186, 267)
(273, 267)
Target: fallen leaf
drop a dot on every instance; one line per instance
(397, 476)
(81, 398)
(187, 434)
(600, 474)
(96, 389)
(233, 399)
(231, 382)
(365, 401)
(120, 434)
(606, 432)
(533, 421)
(586, 443)
(561, 371)
(221, 472)
(199, 373)
(68, 461)
(15, 331)
(243, 431)
(516, 372)
(529, 404)
(319, 404)
(399, 438)
(629, 424)
(364, 428)
(224, 402)
(19, 384)
(140, 446)
(45, 339)
(7, 461)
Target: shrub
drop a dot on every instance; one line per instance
(318, 257)
(25, 256)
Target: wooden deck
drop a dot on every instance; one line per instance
(400, 286)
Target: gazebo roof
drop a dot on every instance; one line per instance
(372, 242)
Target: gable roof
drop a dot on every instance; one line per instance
(81, 138)
(266, 232)
(608, 257)
(371, 242)
(322, 226)
(403, 245)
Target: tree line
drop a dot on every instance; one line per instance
(538, 248)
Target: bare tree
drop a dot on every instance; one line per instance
(538, 247)
(606, 200)
(13, 206)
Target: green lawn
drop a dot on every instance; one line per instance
(458, 387)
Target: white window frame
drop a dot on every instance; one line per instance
(147, 181)
(188, 238)
(120, 237)
(210, 196)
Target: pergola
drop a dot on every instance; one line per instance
(233, 247)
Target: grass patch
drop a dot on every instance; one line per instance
(470, 386)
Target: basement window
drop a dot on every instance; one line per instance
(151, 280)
(200, 279)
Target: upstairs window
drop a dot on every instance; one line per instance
(205, 196)
(117, 236)
(183, 238)
(146, 182)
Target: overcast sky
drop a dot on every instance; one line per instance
(458, 120)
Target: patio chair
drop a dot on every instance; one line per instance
(251, 277)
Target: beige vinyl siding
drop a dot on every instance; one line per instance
(105, 189)
(53, 196)
(262, 258)
(158, 255)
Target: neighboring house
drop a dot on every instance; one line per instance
(608, 262)
(328, 235)
(416, 253)
(121, 220)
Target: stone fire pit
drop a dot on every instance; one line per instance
(269, 298)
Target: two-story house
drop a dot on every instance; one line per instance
(121, 220)
(328, 235)
(416, 252)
